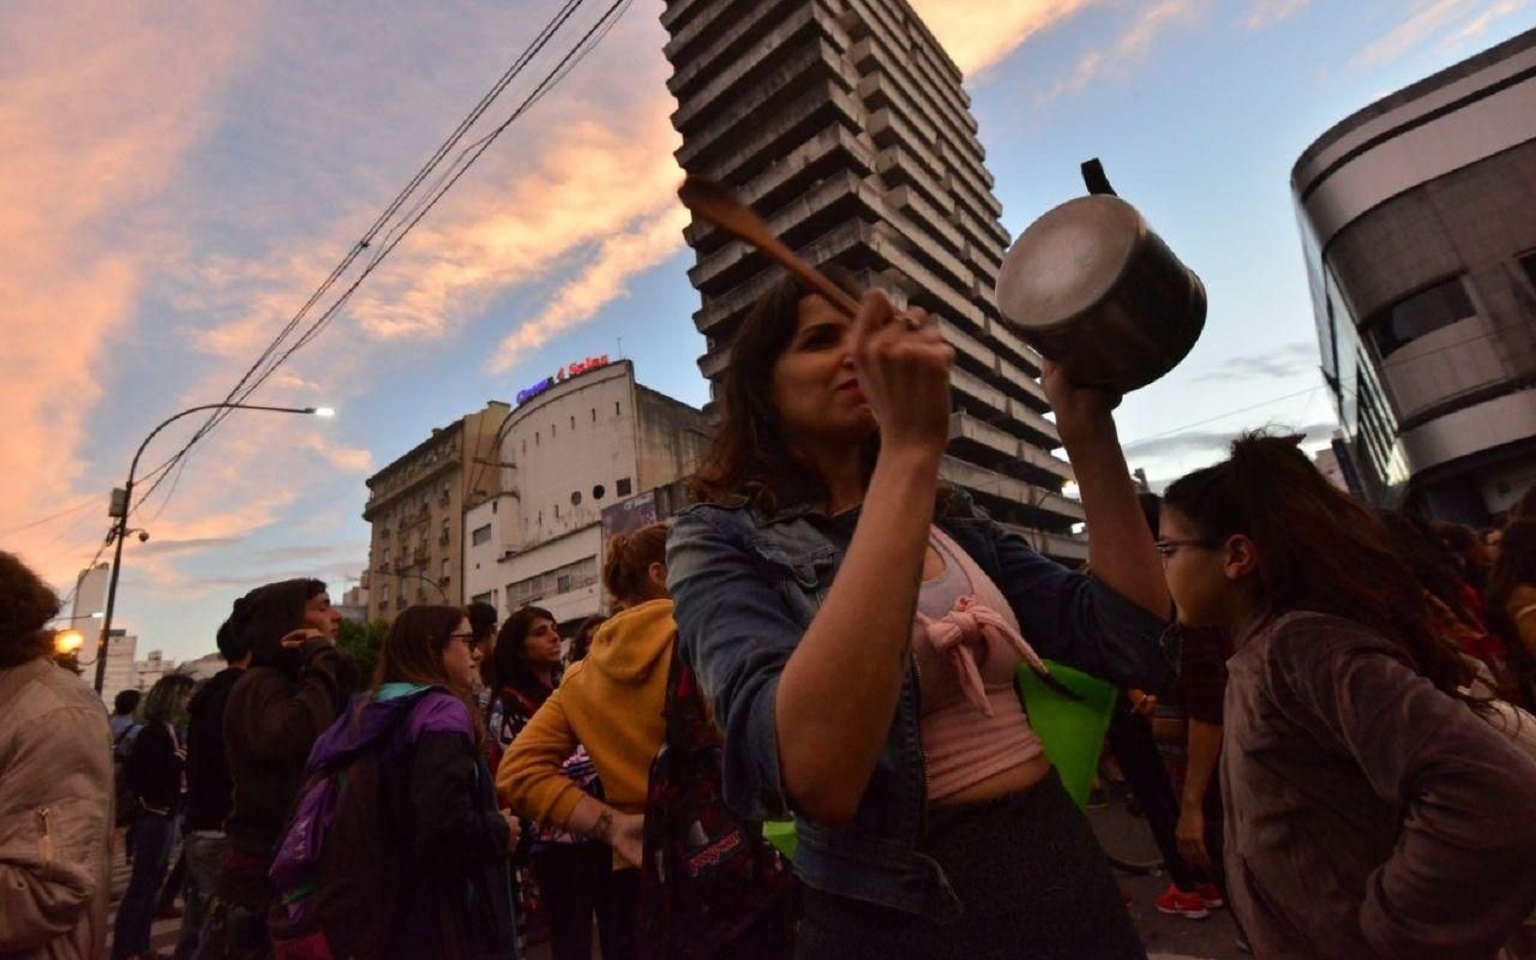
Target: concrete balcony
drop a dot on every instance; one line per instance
(996, 448)
(679, 12)
(832, 151)
(890, 80)
(797, 220)
(900, 167)
(696, 49)
(911, 202)
(738, 147)
(761, 72)
(889, 88)
(753, 88)
(1053, 507)
(720, 313)
(883, 50)
(1009, 344)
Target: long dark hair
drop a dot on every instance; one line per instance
(512, 669)
(748, 460)
(1318, 548)
(1430, 561)
(1516, 568)
(412, 652)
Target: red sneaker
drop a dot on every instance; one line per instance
(1210, 895)
(1183, 903)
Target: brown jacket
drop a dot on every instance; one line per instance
(1368, 815)
(55, 815)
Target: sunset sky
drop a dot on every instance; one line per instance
(179, 178)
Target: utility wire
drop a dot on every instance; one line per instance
(67, 511)
(254, 379)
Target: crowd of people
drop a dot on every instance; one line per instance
(1360, 777)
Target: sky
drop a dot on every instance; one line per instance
(181, 178)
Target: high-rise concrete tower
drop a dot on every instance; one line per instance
(844, 123)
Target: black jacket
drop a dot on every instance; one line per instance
(154, 770)
(209, 792)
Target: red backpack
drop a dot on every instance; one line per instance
(710, 886)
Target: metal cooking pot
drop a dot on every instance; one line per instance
(1091, 287)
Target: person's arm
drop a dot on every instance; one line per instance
(286, 724)
(60, 763)
(1204, 752)
(450, 831)
(1121, 547)
(1463, 873)
(1522, 613)
(624, 832)
(529, 779)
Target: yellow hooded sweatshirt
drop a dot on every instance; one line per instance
(611, 703)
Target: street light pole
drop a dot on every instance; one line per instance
(120, 511)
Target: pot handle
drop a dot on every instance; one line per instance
(1095, 179)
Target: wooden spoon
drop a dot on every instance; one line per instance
(719, 205)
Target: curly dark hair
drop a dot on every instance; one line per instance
(26, 606)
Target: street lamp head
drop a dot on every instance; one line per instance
(67, 641)
(321, 411)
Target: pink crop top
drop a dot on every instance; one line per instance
(967, 646)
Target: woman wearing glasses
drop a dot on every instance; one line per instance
(1370, 810)
(454, 886)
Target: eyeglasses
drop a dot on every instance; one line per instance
(1167, 548)
(470, 640)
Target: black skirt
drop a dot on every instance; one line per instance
(1032, 880)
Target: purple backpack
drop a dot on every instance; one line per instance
(338, 865)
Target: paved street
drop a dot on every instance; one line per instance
(1167, 938)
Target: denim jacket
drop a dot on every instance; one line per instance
(746, 588)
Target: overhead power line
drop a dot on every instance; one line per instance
(270, 359)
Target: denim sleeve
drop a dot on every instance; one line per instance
(736, 633)
(1079, 620)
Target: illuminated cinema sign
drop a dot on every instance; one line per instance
(565, 373)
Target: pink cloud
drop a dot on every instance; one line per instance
(105, 100)
(982, 33)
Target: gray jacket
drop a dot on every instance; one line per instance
(1368, 815)
(55, 814)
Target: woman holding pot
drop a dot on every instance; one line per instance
(857, 625)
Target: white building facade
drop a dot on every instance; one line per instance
(573, 446)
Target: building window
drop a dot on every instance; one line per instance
(597, 492)
(525, 444)
(1528, 264)
(557, 511)
(384, 594)
(573, 421)
(386, 556)
(616, 409)
(535, 438)
(481, 535)
(562, 579)
(1422, 313)
(483, 598)
(594, 414)
(446, 567)
(575, 498)
(623, 487)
